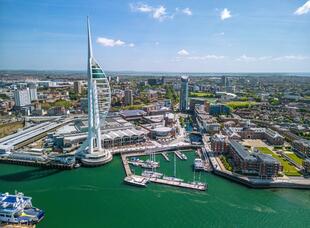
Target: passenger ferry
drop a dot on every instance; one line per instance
(18, 209)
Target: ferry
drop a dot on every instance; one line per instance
(198, 164)
(18, 209)
(172, 179)
(150, 174)
(136, 180)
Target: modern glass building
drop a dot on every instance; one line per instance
(184, 94)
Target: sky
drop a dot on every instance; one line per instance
(171, 36)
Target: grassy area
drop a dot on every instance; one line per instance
(9, 128)
(240, 104)
(227, 165)
(288, 169)
(201, 94)
(294, 157)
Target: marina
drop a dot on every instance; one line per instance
(152, 175)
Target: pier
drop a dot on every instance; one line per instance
(164, 154)
(179, 184)
(126, 165)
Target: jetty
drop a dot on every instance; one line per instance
(194, 186)
(164, 154)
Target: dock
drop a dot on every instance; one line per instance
(179, 184)
(164, 154)
(126, 165)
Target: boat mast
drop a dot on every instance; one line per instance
(175, 167)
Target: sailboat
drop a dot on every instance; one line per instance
(153, 166)
(174, 178)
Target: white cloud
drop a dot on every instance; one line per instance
(156, 43)
(158, 13)
(107, 42)
(206, 57)
(246, 58)
(187, 11)
(304, 9)
(225, 14)
(183, 52)
(219, 34)
(291, 57)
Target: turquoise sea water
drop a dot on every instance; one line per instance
(97, 197)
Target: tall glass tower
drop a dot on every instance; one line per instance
(184, 94)
(99, 101)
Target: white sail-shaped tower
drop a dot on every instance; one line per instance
(99, 101)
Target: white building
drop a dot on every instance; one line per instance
(22, 97)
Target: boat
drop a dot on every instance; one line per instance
(136, 180)
(151, 174)
(183, 156)
(200, 185)
(149, 164)
(198, 164)
(18, 209)
(172, 179)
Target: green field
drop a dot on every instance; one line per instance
(288, 169)
(294, 157)
(240, 104)
(201, 95)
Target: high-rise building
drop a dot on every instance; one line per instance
(77, 87)
(22, 97)
(184, 94)
(99, 102)
(128, 99)
(33, 92)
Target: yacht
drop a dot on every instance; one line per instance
(172, 179)
(136, 180)
(198, 164)
(18, 209)
(150, 174)
(149, 164)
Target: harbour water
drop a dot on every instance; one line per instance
(97, 197)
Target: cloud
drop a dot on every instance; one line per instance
(183, 52)
(112, 43)
(246, 58)
(206, 57)
(219, 34)
(304, 9)
(291, 57)
(225, 14)
(187, 11)
(158, 13)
